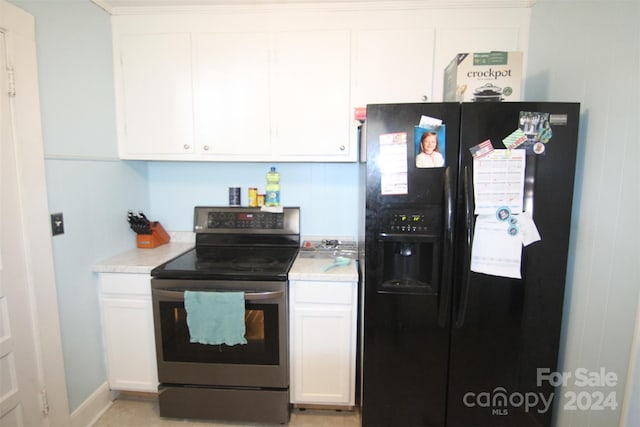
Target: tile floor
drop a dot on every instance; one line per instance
(143, 412)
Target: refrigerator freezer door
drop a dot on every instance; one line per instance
(408, 245)
(405, 373)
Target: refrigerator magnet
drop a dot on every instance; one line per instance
(539, 148)
(537, 129)
(503, 213)
(515, 139)
(482, 149)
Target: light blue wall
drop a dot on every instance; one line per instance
(588, 51)
(94, 197)
(76, 77)
(85, 180)
(327, 193)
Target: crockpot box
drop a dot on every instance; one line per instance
(484, 76)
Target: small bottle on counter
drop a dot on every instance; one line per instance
(234, 196)
(272, 194)
(253, 197)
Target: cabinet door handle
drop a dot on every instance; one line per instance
(342, 148)
(187, 146)
(206, 148)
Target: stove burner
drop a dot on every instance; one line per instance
(252, 263)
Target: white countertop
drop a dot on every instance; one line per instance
(142, 260)
(311, 269)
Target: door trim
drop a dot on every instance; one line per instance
(21, 56)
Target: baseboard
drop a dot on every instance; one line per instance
(92, 408)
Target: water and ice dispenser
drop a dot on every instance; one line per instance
(410, 250)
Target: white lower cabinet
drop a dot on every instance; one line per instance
(127, 324)
(323, 327)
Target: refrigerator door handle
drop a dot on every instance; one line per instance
(445, 285)
(466, 272)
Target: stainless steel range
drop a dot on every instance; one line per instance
(237, 250)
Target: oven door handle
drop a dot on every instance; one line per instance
(248, 296)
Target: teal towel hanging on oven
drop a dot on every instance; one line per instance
(215, 317)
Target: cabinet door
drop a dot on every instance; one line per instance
(130, 343)
(393, 65)
(322, 354)
(231, 81)
(311, 93)
(156, 113)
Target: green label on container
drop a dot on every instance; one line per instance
(490, 58)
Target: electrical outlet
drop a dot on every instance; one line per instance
(57, 224)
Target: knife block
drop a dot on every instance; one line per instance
(157, 237)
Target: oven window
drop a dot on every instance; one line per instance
(261, 325)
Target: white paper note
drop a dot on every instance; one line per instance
(498, 181)
(392, 162)
(494, 250)
(528, 229)
(429, 122)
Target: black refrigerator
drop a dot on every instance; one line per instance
(461, 324)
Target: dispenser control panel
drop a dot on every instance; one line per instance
(422, 222)
(408, 223)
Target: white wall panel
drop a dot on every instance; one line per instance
(580, 51)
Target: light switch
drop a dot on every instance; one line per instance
(57, 224)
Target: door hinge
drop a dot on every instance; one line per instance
(12, 82)
(45, 402)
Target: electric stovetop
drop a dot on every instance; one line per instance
(237, 263)
(238, 244)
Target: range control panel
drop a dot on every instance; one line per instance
(412, 221)
(240, 220)
(246, 220)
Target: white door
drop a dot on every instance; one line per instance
(20, 374)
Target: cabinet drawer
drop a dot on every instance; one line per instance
(133, 284)
(323, 292)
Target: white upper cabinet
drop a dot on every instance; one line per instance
(239, 83)
(393, 65)
(231, 94)
(154, 85)
(311, 95)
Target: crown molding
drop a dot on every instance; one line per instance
(168, 7)
(104, 4)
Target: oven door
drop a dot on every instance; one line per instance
(262, 362)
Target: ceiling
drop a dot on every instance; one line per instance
(123, 6)
(111, 5)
